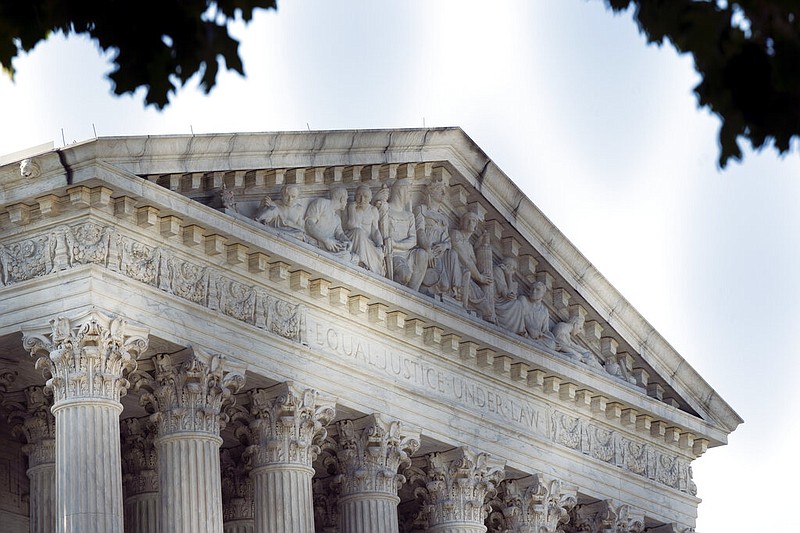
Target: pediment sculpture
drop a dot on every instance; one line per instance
(432, 248)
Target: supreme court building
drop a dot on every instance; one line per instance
(338, 332)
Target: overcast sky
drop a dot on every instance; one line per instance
(602, 133)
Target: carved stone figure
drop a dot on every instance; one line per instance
(563, 332)
(29, 168)
(476, 288)
(441, 269)
(527, 316)
(324, 225)
(227, 198)
(400, 237)
(616, 366)
(537, 317)
(285, 215)
(360, 224)
(510, 309)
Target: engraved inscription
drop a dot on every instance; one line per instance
(404, 367)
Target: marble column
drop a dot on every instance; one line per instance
(36, 423)
(237, 493)
(288, 421)
(458, 482)
(188, 398)
(369, 452)
(87, 357)
(140, 476)
(534, 504)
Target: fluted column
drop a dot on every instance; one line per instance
(237, 493)
(369, 453)
(188, 398)
(287, 422)
(36, 423)
(140, 476)
(87, 358)
(534, 504)
(458, 482)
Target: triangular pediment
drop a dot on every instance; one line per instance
(591, 337)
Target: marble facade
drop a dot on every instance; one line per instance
(339, 332)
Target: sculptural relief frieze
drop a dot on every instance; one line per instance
(89, 243)
(609, 446)
(411, 233)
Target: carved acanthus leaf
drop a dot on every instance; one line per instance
(189, 396)
(370, 452)
(289, 422)
(458, 484)
(88, 356)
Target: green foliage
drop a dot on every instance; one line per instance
(159, 44)
(747, 51)
(748, 54)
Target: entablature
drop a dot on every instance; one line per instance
(255, 269)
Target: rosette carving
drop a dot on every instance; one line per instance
(189, 396)
(458, 484)
(87, 357)
(288, 424)
(369, 453)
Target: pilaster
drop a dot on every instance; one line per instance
(370, 452)
(288, 422)
(188, 398)
(87, 358)
(458, 483)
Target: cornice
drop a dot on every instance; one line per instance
(291, 271)
(141, 155)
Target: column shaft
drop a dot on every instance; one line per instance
(284, 502)
(457, 528)
(43, 498)
(191, 494)
(368, 513)
(141, 513)
(89, 477)
(238, 526)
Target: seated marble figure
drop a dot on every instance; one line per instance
(285, 215)
(563, 333)
(323, 223)
(527, 316)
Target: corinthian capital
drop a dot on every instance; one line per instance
(534, 504)
(237, 486)
(605, 515)
(370, 451)
(34, 421)
(458, 483)
(189, 396)
(139, 459)
(86, 356)
(288, 422)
